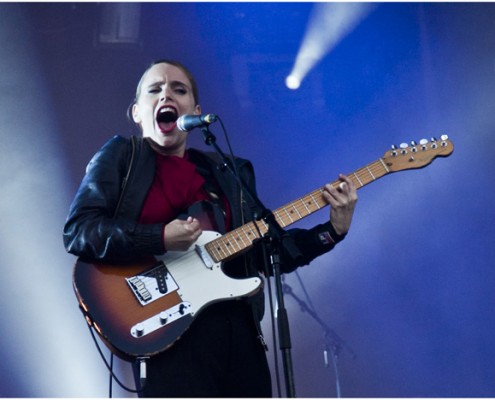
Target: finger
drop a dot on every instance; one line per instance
(329, 190)
(331, 195)
(347, 180)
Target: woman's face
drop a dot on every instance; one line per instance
(165, 93)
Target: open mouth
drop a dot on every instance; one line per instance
(166, 118)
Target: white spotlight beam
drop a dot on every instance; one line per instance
(45, 346)
(329, 23)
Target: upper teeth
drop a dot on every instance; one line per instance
(166, 109)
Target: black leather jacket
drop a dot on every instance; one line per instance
(102, 221)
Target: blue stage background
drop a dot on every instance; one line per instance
(411, 289)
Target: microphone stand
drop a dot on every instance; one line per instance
(277, 239)
(332, 340)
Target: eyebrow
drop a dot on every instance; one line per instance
(173, 84)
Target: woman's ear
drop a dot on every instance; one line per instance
(135, 114)
(197, 109)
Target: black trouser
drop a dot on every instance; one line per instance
(218, 356)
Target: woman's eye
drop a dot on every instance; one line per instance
(181, 90)
(153, 90)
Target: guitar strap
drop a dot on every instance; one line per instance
(214, 192)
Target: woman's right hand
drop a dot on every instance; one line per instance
(179, 235)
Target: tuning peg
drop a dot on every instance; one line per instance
(413, 143)
(394, 147)
(433, 139)
(403, 148)
(444, 137)
(423, 143)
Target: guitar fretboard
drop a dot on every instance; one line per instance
(242, 238)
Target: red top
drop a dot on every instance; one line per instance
(176, 186)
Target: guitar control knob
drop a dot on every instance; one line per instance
(139, 329)
(163, 317)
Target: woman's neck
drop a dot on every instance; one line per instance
(165, 151)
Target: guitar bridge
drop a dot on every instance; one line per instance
(152, 284)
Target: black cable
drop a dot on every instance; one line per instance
(110, 378)
(112, 375)
(226, 136)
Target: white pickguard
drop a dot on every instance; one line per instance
(199, 284)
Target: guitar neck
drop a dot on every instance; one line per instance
(242, 238)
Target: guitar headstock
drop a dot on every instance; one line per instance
(417, 155)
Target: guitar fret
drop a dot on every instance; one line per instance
(293, 211)
(297, 211)
(288, 215)
(242, 240)
(235, 240)
(314, 203)
(384, 165)
(359, 180)
(279, 217)
(221, 247)
(264, 227)
(213, 250)
(227, 246)
(371, 173)
(252, 232)
(319, 202)
(304, 204)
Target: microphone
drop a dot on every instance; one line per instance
(187, 123)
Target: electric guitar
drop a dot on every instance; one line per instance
(141, 309)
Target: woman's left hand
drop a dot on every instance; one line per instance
(342, 200)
